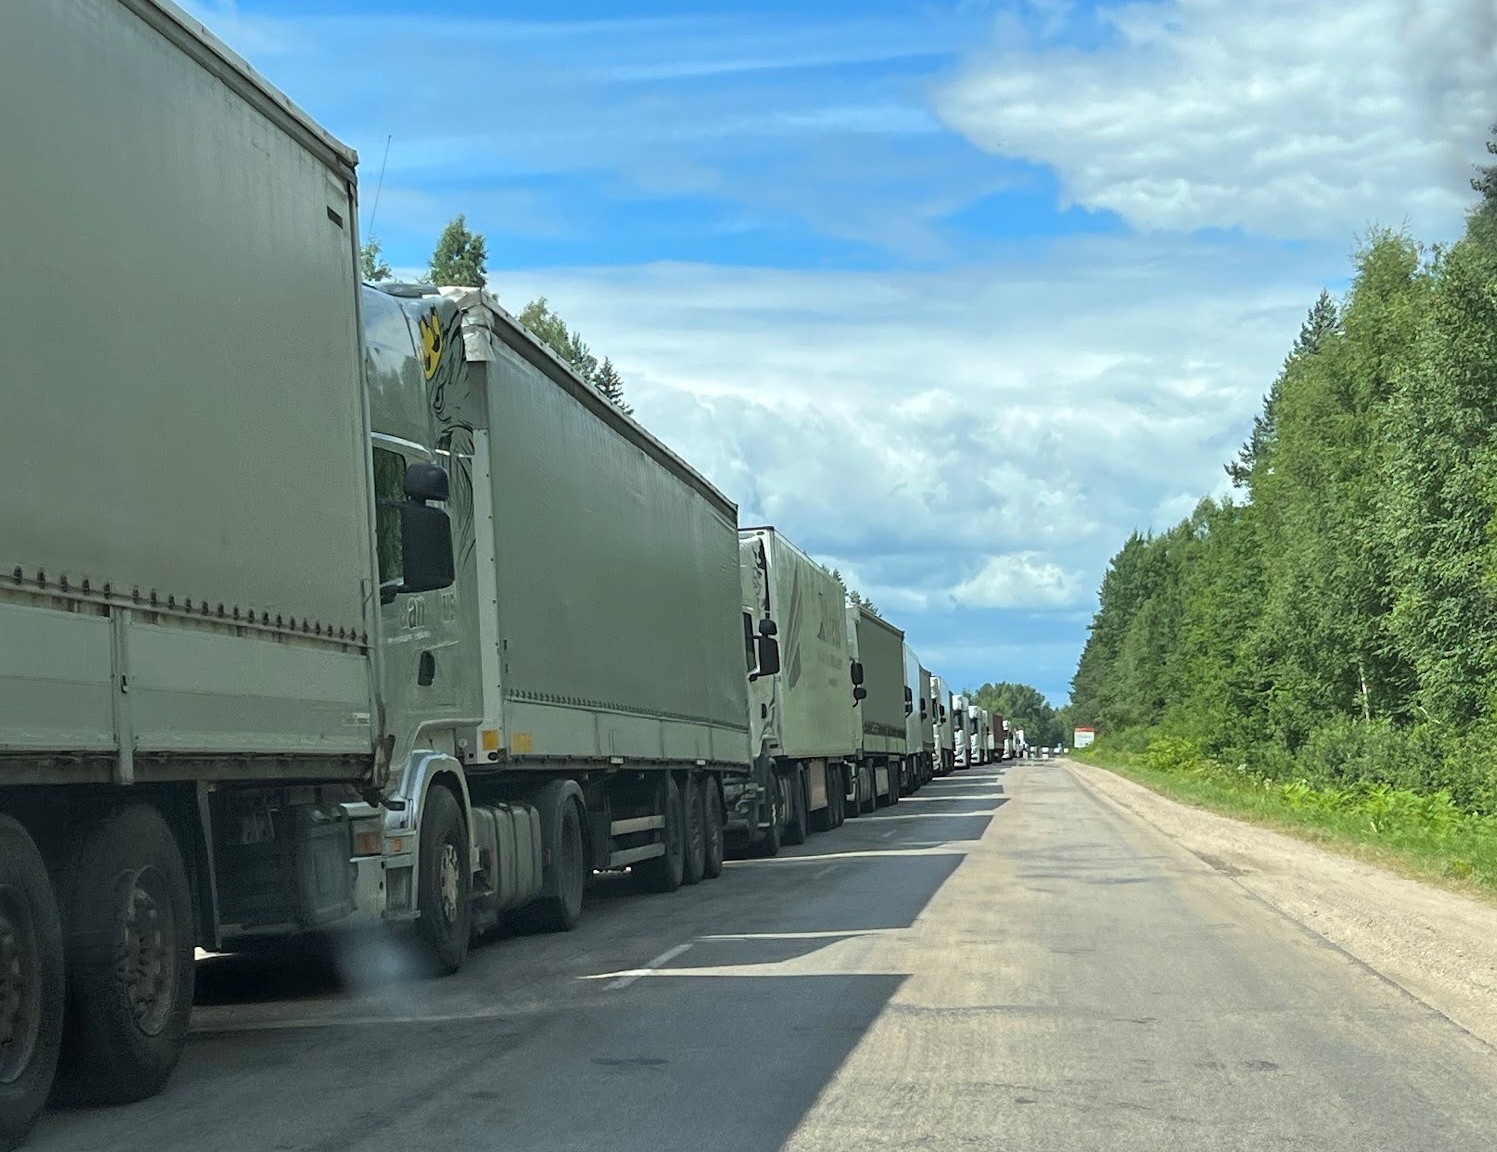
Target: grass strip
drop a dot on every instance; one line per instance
(1422, 836)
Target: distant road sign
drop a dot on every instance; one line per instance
(1084, 736)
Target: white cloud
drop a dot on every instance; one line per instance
(1018, 580)
(1277, 116)
(954, 440)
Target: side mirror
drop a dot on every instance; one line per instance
(425, 482)
(859, 693)
(909, 701)
(768, 627)
(769, 657)
(426, 545)
(857, 675)
(425, 535)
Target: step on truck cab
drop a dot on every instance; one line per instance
(798, 710)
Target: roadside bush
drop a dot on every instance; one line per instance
(1129, 741)
(1466, 768)
(1351, 751)
(1177, 755)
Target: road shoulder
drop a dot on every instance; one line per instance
(1438, 946)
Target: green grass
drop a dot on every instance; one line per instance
(1423, 836)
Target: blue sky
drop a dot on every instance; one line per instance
(956, 293)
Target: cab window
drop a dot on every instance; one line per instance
(389, 484)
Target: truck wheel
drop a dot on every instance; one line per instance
(770, 844)
(445, 886)
(31, 984)
(712, 822)
(896, 785)
(663, 873)
(795, 827)
(695, 865)
(867, 790)
(837, 796)
(826, 819)
(130, 968)
(560, 913)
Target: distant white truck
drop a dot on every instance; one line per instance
(961, 727)
(941, 719)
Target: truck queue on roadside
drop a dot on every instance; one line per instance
(328, 603)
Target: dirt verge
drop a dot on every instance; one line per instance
(1438, 946)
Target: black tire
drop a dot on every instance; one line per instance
(836, 796)
(31, 984)
(560, 913)
(826, 819)
(444, 888)
(694, 866)
(769, 843)
(129, 940)
(796, 828)
(663, 873)
(868, 798)
(712, 821)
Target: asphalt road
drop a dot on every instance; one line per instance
(1004, 961)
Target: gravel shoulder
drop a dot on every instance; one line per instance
(1438, 946)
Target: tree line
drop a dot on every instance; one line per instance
(1335, 619)
(1025, 707)
(461, 258)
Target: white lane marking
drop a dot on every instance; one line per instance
(213, 1027)
(634, 974)
(839, 935)
(889, 833)
(827, 871)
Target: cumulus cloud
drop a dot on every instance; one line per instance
(962, 440)
(1276, 116)
(1018, 580)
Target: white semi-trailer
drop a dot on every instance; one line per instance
(798, 713)
(879, 719)
(297, 625)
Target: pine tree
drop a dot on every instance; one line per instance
(460, 256)
(1322, 322)
(1485, 180)
(608, 382)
